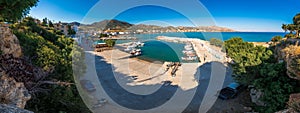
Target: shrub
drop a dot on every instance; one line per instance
(216, 42)
(276, 38)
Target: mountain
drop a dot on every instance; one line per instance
(125, 26)
(108, 24)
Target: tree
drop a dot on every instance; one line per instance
(51, 24)
(246, 57)
(13, 10)
(45, 22)
(296, 19)
(291, 28)
(295, 27)
(110, 42)
(284, 27)
(71, 31)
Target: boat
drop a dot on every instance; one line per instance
(136, 52)
(189, 58)
(139, 44)
(188, 51)
(188, 48)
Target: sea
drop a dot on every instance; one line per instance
(162, 51)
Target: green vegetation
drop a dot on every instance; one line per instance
(246, 56)
(13, 10)
(216, 42)
(53, 52)
(276, 38)
(275, 85)
(71, 31)
(294, 27)
(103, 35)
(256, 65)
(110, 42)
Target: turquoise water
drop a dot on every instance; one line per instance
(247, 36)
(165, 51)
(162, 51)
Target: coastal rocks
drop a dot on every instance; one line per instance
(12, 109)
(9, 43)
(12, 93)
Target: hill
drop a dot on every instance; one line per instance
(125, 26)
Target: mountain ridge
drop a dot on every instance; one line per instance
(126, 26)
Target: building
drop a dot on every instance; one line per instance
(64, 27)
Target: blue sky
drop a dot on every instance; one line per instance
(242, 15)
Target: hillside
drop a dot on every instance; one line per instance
(38, 59)
(108, 24)
(125, 26)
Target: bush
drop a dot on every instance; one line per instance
(110, 42)
(216, 42)
(276, 38)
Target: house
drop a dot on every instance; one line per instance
(64, 27)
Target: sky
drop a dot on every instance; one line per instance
(240, 15)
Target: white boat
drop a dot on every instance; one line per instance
(135, 52)
(189, 58)
(139, 44)
(188, 48)
(188, 51)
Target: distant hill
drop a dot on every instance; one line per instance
(125, 26)
(108, 24)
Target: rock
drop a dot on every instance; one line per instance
(287, 111)
(294, 102)
(12, 109)
(255, 95)
(9, 43)
(12, 93)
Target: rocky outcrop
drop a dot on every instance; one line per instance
(12, 93)
(292, 59)
(9, 43)
(11, 109)
(294, 102)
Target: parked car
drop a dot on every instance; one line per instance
(231, 91)
(88, 85)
